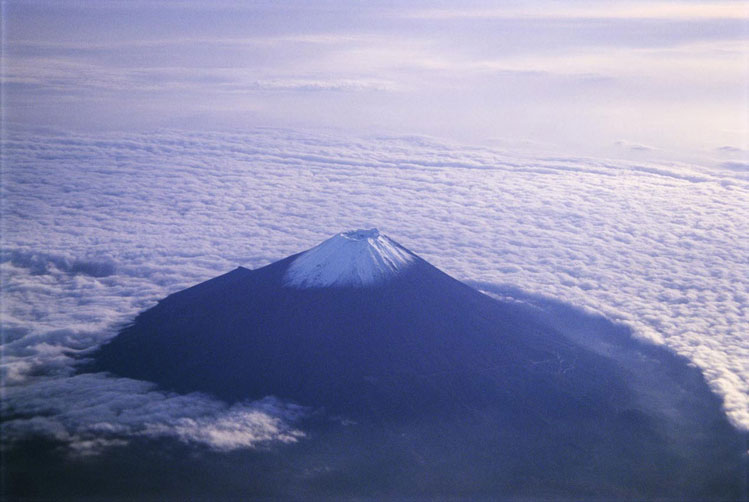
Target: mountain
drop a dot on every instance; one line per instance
(422, 385)
(359, 325)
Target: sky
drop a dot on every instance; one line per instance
(628, 79)
(590, 152)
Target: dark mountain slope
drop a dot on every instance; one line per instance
(446, 391)
(420, 343)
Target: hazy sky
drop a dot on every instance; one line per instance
(624, 79)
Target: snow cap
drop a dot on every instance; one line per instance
(358, 258)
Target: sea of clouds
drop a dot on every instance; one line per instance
(98, 227)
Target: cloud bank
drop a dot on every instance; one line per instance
(98, 227)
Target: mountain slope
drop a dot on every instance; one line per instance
(407, 345)
(430, 371)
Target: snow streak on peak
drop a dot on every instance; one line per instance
(356, 258)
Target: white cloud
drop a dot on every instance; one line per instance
(91, 412)
(656, 246)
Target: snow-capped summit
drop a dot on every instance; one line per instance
(356, 258)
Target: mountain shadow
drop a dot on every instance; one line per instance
(423, 386)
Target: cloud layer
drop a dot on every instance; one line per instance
(98, 227)
(93, 411)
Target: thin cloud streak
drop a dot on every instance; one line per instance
(576, 76)
(596, 10)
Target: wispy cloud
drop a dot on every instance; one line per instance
(469, 74)
(595, 10)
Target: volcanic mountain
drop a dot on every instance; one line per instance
(466, 394)
(358, 325)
